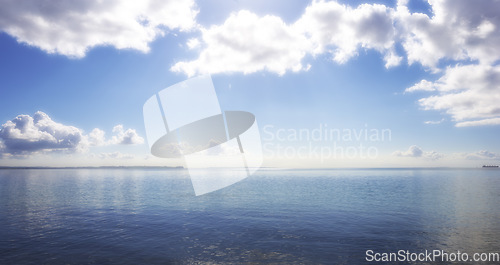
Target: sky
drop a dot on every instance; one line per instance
(331, 83)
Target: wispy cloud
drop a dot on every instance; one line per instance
(434, 122)
(116, 155)
(493, 121)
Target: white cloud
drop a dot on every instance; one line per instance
(482, 155)
(71, 28)
(2, 149)
(116, 155)
(417, 152)
(128, 136)
(433, 155)
(342, 30)
(193, 43)
(413, 151)
(97, 137)
(247, 43)
(423, 85)
(25, 135)
(434, 122)
(470, 94)
(458, 30)
(493, 121)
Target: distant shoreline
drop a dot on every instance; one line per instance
(272, 168)
(97, 167)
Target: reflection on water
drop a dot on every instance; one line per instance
(473, 216)
(281, 216)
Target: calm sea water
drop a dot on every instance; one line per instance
(141, 216)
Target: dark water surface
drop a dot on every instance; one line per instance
(144, 216)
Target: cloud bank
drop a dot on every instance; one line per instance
(483, 155)
(415, 151)
(26, 135)
(458, 30)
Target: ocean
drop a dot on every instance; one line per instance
(277, 216)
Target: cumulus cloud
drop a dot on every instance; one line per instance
(25, 134)
(463, 34)
(469, 93)
(97, 137)
(342, 30)
(417, 152)
(247, 43)
(413, 151)
(128, 136)
(466, 32)
(458, 30)
(460, 40)
(71, 28)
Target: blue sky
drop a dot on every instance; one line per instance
(426, 71)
